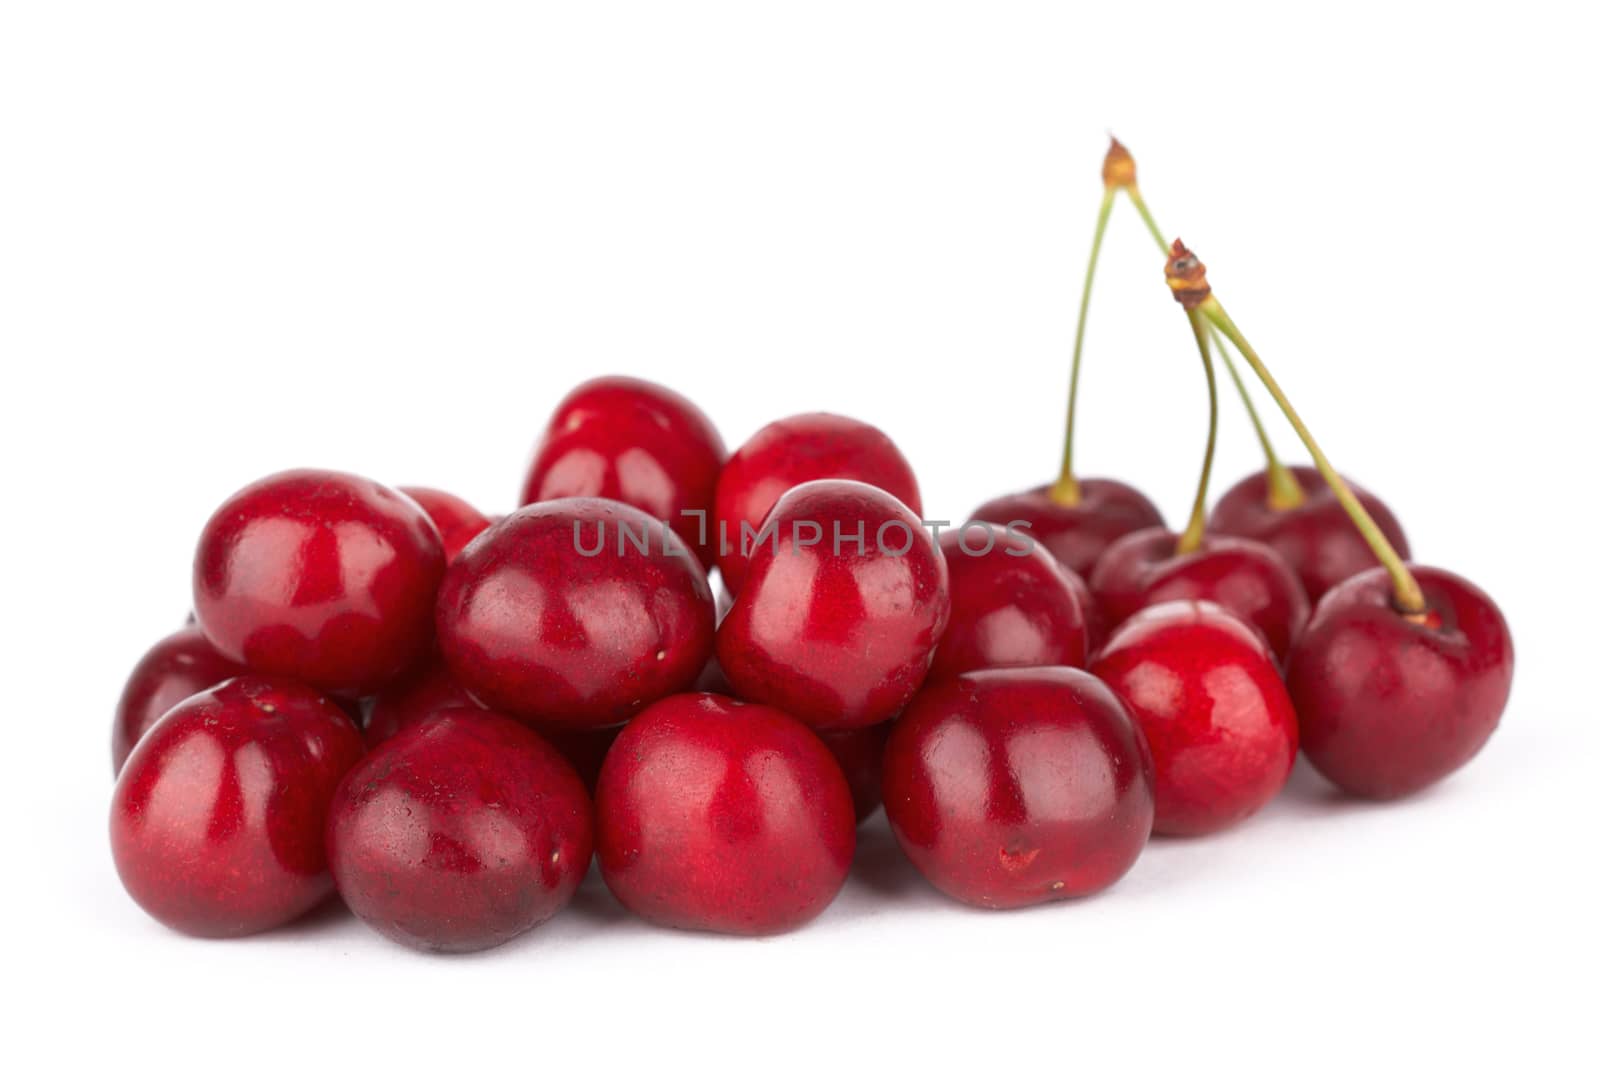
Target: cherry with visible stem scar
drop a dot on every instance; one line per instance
(1077, 518)
(1289, 508)
(1401, 675)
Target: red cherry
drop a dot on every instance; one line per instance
(586, 750)
(323, 577)
(1388, 704)
(1246, 577)
(838, 634)
(1203, 687)
(457, 521)
(787, 453)
(1316, 539)
(1011, 605)
(216, 821)
(717, 815)
(175, 669)
(403, 704)
(860, 756)
(1017, 786)
(1075, 534)
(637, 442)
(460, 833)
(556, 614)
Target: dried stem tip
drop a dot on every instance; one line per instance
(1118, 171)
(1186, 277)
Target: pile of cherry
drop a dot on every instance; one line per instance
(443, 718)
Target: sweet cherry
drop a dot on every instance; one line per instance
(460, 833)
(217, 818)
(1206, 692)
(717, 815)
(838, 621)
(1011, 605)
(574, 614)
(787, 453)
(1017, 786)
(860, 756)
(323, 577)
(637, 442)
(175, 669)
(457, 521)
(1392, 702)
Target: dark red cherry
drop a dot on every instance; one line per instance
(175, 669)
(1017, 786)
(460, 833)
(1011, 605)
(1205, 691)
(323, 577)
(1075, 534)
(1246, 577)
(787, 453)
(457, 521)
(860, 756)
(217, 818)
(1389, 704)
(836, 631)
(1317, 539)
(404, 703)
(717, 815)
(637, 442)
(557, 615)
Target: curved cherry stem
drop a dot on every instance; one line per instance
(1283, 491)
(1196, 530)
(1066, 490)
(1407, 593)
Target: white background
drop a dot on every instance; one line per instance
(386, 238)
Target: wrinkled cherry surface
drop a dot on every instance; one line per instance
(457, 521)
(860, 756)
(217, 819)
(1388, 706)
(839, 639)
(1316, 539)
(323, 577)
(1017, 786)
(175, 669)
(1206, 693)
(1246, 577)
(1011, 605)
(637, 442)
(717, 815)
(789, 452)
(460, 833)
(534, 627)
(1076, 535)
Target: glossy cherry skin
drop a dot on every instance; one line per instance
(792, 451)
(1389, 706)
(860, 756)
(541, 620)
(1011, 605)
(1246, 577)
(1076, 534)
(175, 669)
(217, 818)
(457, 521)
(1205, 691)
(1017, 786)
(717, 815)
(323, 577)
(1316, 539)
(637, 442)
(840, 640)
(460, 833)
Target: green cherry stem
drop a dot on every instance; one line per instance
(1186, 276)
(1283, 492)
(1066, 490)
(1196, 530)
